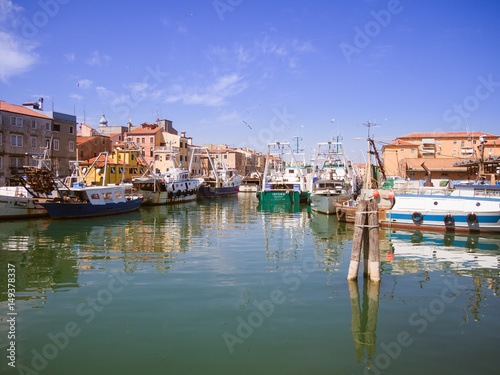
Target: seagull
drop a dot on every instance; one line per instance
(247, 124)
(77, 84)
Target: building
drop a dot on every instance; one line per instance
(146, 138)
(439, 151)
(24, 132)
(121, 165)
(90, 147)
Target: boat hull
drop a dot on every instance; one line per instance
(448, 213)
(282, 196)
(166, 197)
(216, 192)
(20, 208)
(60, 210)
(325, 202)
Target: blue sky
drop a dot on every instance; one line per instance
(286, 68)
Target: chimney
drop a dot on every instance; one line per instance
(183, 134)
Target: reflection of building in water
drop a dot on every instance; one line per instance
(364, 320)
(41, 263)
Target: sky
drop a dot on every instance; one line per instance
(244, 72)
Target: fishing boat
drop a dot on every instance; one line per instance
(16, 202)
(220, 180)
(283, 182)
(251, 183)
(85, 201)
(171, 186)
(78, 200)
(458, 208)
(335, 180)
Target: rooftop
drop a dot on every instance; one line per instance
(19, 109)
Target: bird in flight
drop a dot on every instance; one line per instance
(247, 124)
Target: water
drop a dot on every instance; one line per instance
(228, 287)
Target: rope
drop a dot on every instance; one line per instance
(366, 212)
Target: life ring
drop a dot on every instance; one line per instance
(472, 218)
(449, 220)
(340, 214)
(417, 217)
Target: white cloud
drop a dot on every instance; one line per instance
(70, 56)
(98, 59)
(16, 57)
(77, 97)
(85, 83)
(9, 12)
(216, 94)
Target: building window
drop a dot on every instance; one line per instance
(490, 151)
(47, 126)
(33, 124)
(71, 146)
(412, 150)
(56, 144)
(151, 139)
(1, 136)
(1, 162)
(16, 121)
(143, 140)
(455, 141)
(137, 140)
(462, 143)
(16, 140)
(33, 142)
(16, 162)
(57, 127)
(454, 152)
(151, 151)
(71, 130)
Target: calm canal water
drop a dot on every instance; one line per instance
(228, 287)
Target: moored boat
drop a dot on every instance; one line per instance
(16, 202)
(336, 179)
(91, 201)
(283, 183)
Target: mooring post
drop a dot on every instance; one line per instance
(359, 225)
(374, 249)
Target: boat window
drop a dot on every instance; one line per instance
(107, 195)
(118, 194)
(95, 196)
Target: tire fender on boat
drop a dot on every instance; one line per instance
(449, 220)
(340, 214)
(472, 218)
(417, 217)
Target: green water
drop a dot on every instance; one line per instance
(229, 287)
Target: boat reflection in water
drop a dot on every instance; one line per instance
(462, 254)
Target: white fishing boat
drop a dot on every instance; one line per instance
(16, 202)
(469, 209)
(172, 186)
(251, 183)
(220, 180)
(335, 180)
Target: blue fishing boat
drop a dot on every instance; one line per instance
(82, 201)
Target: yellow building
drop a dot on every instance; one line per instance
(438, 150)
(120, 166)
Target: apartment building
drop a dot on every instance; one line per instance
(147, 138)
(25, 132)
(439, 151)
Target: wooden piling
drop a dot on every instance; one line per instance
(374, 249)
(366, 236)
(357, 241)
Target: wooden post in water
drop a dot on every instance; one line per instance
(366, 236)
(357, 241)
(374, 249)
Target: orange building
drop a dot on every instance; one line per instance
(438, 150)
